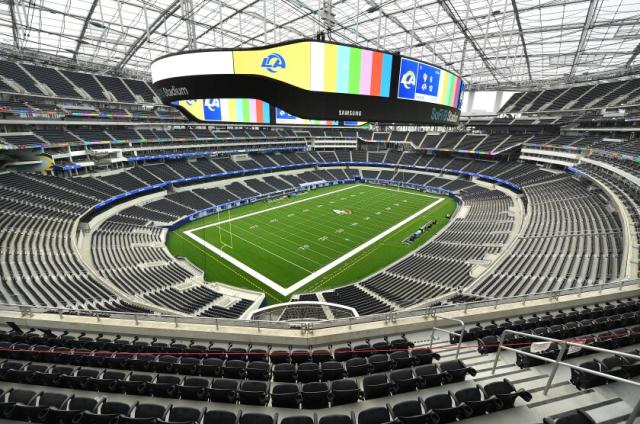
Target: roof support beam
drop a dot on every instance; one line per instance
(84, 28)
(139, 42)
(14, 24)
(405, 30)
(187, 14)
(222, 21)
(524, 44)
(625, 22)
(592, 16)
(633, 56)
(453, 15)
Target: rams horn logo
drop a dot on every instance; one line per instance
(272, 62)
(408, 79)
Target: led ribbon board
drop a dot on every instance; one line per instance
(313, 80)
(246, 111)
(241, 111)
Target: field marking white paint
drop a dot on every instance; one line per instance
(309, 278)
(252, 272)
(271, 209)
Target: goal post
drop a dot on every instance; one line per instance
(226, 240)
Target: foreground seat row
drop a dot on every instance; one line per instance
(60, 408)
(231, 368)
(311, 395)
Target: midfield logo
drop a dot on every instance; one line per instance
(272, 62)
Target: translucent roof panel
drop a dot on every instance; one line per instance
(498, 43)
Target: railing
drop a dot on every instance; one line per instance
(460, 334)
(427, 312)
(558, 361)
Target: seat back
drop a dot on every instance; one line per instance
(52, 399)
(297, 419)
(285, 395)
(377, 415)
(344, 391)
(183, 414)
(111, 407)
(335, 419)
(150, 410)
(315, 395)
(255, 418)
(196, 382)
(219, 417)
(442, 405)
(472, 398)
(407, 408)
(21, 396)
(82, 404)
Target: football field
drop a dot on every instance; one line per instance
(316, 240)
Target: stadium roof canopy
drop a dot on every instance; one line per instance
(489, 42)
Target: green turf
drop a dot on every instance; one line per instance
(288, 243)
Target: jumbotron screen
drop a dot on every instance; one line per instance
(422, 82)
(315, 80)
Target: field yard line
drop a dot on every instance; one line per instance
(357, 250)
(271, 209)
(270, 252)
(252, 272)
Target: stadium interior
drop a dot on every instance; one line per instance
(160, 266)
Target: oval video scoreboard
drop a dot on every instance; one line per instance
(307, 82)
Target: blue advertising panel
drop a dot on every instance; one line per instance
(428, 81)
(408, 77)
(212, 110)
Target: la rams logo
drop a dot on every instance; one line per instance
(212, 104)
(272, 62)
(408, 80)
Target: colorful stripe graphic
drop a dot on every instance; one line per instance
(350, 70)
(249, 111)
(366, 64)
(449, 89)
(456, 92)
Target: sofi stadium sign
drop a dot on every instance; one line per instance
(444, 115)
(312, 80)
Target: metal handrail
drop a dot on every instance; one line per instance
(564, 345)
(460, 335)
